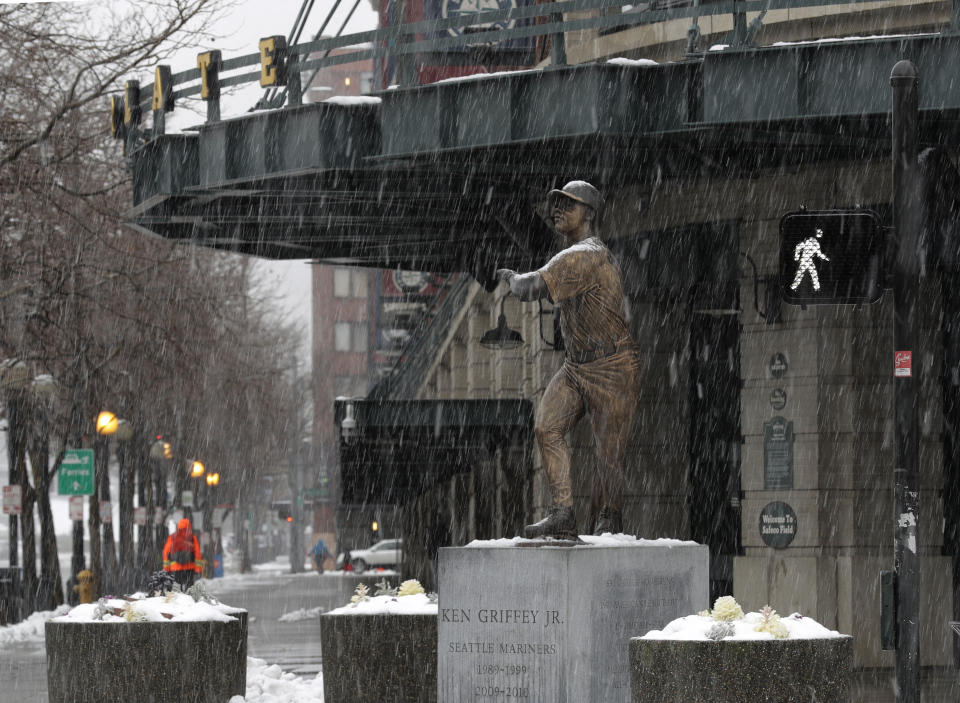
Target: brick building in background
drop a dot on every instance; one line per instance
(341, 313)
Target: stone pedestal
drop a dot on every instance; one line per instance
(376, 658)
(741, 671)
(553, 624)
(151, 662)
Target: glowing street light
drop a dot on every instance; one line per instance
(107, 423)
(213, 479)
(197, 469)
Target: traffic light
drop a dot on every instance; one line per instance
(283, 512)
(831, 257)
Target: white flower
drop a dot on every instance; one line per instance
(410, 588)
(726, 608)
(360, 594)
(132, 614)
(770, 622)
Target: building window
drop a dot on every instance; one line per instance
(361, 336)
(341, 283)
(359, 284)
(349, 282)
(341, 336)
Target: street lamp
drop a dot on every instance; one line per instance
(42, 390)
(205, 506)
(107, 424)
(348, 426)
(155, 489)
(124, 433)
(14, 376)
(501, 336)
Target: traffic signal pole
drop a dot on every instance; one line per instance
(908, 225)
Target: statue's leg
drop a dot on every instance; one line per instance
(612, 389)
(560, 409)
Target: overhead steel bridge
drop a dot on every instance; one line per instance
(450, 176)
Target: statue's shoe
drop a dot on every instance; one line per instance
(609, 521)
(559, 523)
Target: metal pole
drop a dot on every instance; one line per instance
(93, 520)
(14, 419)
(109, 579)
(142, 466)
(908, 223)
(739, 25)
(15, 438)
(163, 502)
(77, 563)
(558, 43)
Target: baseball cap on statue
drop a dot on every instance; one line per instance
(581, 191)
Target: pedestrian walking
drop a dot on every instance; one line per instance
(805, 252)
(318, 553)
(182, 557)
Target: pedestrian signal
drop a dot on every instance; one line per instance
(831, 257)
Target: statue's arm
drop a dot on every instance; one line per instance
(525, 286)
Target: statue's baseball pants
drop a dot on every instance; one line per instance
(608, 389)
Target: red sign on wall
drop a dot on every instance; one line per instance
(903, 364)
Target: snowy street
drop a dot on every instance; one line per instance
(293, 644)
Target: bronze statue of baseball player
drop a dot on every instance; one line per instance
(601, 372)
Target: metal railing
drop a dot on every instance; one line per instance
(407, 40)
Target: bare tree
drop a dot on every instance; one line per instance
(167, 336)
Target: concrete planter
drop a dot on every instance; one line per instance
(150, 662)
(741, 671)
(373, 658)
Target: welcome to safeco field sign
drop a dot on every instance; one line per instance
(76, 473)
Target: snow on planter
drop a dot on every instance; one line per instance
(140, 648)
(381, 642)
(175, 607)
(605, 540)
(727, 656)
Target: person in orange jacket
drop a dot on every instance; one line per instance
(182, 556)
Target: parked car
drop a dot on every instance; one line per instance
(385, 553)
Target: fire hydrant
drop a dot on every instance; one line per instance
(84, 587)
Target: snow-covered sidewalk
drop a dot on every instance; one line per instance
(31, 629)
(268, 683)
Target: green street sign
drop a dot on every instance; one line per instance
(76, 473)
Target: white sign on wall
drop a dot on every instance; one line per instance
(12, 504)
(76, 508)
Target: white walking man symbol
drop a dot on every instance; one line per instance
(805, 252)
